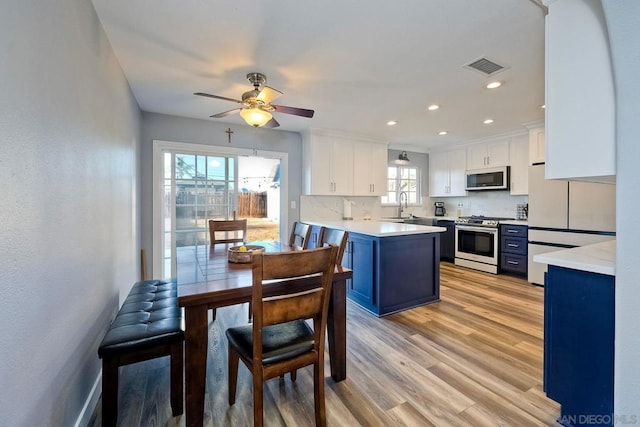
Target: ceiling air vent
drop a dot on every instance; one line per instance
(485, 66)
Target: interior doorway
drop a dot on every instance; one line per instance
(194, 184)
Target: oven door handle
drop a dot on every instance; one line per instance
(488, 230)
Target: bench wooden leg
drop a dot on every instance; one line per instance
(109, 392)
(177, 381)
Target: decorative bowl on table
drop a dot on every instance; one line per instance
(242, 254)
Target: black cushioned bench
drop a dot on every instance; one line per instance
(148, 325)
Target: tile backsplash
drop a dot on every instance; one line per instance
(489, 203)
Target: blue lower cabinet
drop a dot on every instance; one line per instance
(360, 288)
(578, 345)
(394, 273)
(513, 249)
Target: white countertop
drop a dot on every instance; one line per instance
(379, 228)
(596, 258)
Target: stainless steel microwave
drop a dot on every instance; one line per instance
(488, 179)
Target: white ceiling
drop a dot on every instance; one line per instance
(357, 63)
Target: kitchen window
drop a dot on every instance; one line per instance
(402, 179)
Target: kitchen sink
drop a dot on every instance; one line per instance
(409, 220)
(419, 221)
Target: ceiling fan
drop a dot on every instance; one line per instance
(256, 104)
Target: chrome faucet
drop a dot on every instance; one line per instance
(400, 197)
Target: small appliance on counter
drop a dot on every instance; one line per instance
(439, 209)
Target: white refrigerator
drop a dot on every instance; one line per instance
(565, 214)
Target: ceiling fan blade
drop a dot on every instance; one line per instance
(268, 95)
(273, 123)
(226, 113)
(217, 97)
(293, 110)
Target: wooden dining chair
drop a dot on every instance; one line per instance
(331, 236)
(300, 235)
(235, 226)
(226, 227)
(280, 340)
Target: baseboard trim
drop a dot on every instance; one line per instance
(90, 404)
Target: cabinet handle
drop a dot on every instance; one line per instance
(513, 245)
(513, 262)
(488, 160)
(512, 231)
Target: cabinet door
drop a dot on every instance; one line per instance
(378, 168)
(369, 169)
(361, 169)
(579, 341)
(536, 146)
(580, 117)
(477, 156)
(519, 162)
(438, 174)
(360, 253)
(342, 167)
(497, 153)
(319, 162)
(457, 173)
(488, 155)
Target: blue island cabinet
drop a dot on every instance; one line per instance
(393, 273)
(578, 345)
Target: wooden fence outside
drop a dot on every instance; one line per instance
(252, 205)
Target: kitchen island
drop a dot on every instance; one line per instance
(395, 266)
(579, 314)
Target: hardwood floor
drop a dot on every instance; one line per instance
(472, 359)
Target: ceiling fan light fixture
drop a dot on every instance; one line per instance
(255, 116)
(403, 159)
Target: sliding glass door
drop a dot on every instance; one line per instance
(195, 183)
(197, 188)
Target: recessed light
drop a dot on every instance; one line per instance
(488, 121)
(392, 123)
(443, 132)
(494, 85)
(433, 107)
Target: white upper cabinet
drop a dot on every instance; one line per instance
(339, 166)
(369, 169)
(328, 166)
(519, 162)
(579, 91)
(536, 145)
(488, 155)
(447, 173)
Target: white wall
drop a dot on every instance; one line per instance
(208, 132)
(622, 18)
(69, 131)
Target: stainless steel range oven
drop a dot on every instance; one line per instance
(477, 241)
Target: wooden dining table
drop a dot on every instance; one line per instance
(206, 280)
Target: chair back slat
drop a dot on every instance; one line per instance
(219, 226)
(285, 308)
